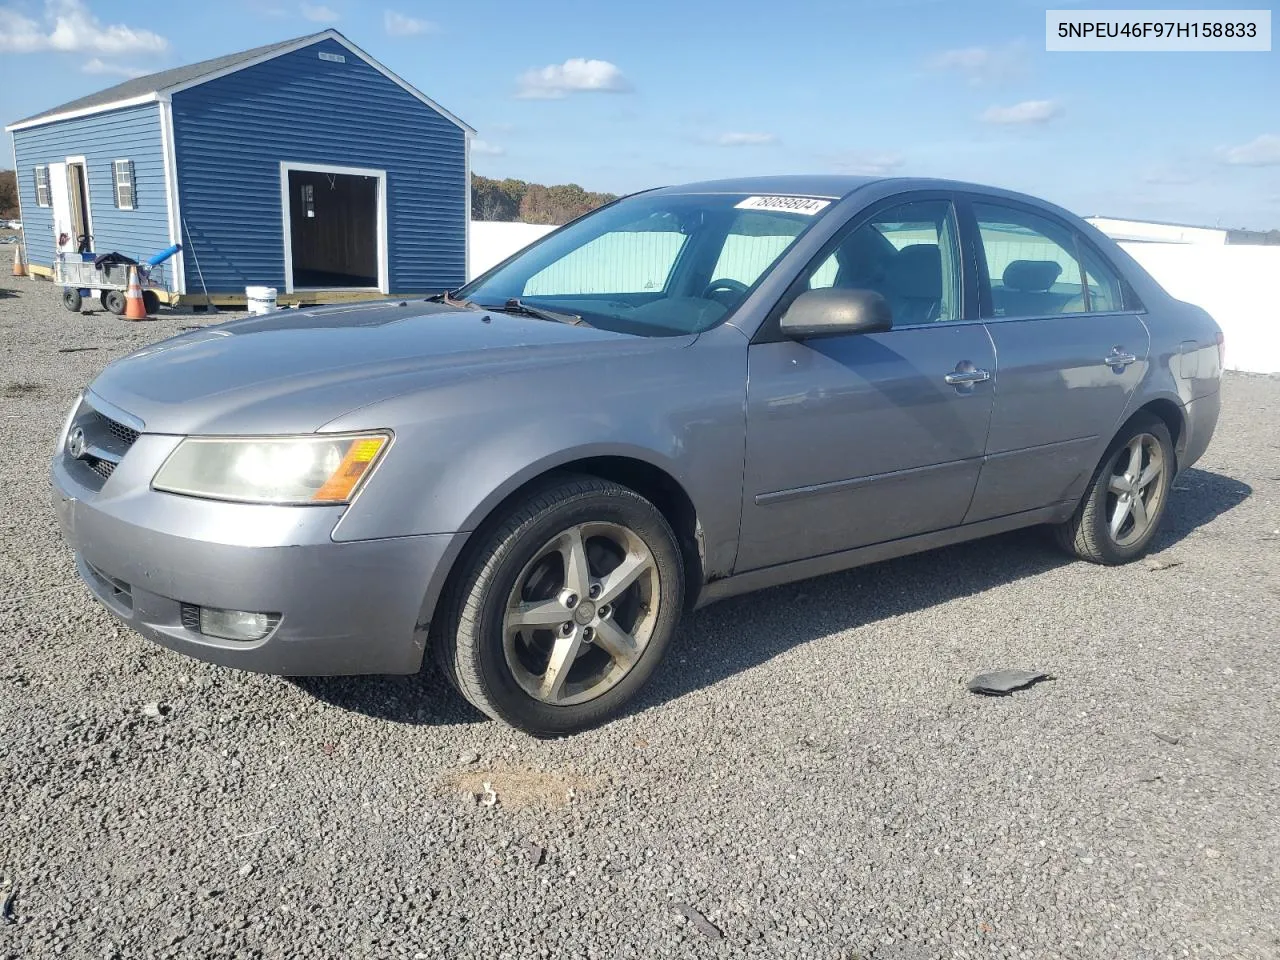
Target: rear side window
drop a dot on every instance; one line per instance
(1031, 262)
(1105, 291)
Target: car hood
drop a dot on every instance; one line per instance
(293, 371)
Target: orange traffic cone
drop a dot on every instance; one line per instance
(134, 308)
(19, 261)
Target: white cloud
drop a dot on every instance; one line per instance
(483, 148)
(983, 65)
(319, 13)
(743, 139)
(1261, 151)
(577, 75)
(69, 27)
(865, 163)
(19, 34)
(400, 25)
(98, 65)
(1028, 111)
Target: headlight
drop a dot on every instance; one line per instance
(314, 469)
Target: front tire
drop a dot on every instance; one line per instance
(113, 301)
(1127, 496)
(561, 614)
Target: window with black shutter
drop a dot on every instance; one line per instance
(125, 198)
(42, 186)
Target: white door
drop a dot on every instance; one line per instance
(60, 197)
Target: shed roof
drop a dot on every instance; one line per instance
(156, 85)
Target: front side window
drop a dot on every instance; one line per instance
(123, 172)
(42, 186)
(1031, 262)
(908, 254)
(654, 264)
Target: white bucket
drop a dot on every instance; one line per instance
(260, 299)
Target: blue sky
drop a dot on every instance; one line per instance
(620, 96)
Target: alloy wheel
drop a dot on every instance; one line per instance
(581, 613)
(1135, 490)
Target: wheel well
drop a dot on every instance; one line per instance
(1171, 414)
(664, 492)
(653, 483)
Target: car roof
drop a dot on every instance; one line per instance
(835, 186)
(829, 186)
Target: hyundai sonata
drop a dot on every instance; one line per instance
(690, 393)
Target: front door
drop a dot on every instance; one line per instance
(64, 227)
(78, 195)
(854, 440)
(1072, 350)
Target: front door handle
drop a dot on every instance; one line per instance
(967, 373)
(1118, 359)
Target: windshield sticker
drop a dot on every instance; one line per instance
(806, 205)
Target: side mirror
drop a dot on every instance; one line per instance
(833, 312)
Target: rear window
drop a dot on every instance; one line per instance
(1031, 262)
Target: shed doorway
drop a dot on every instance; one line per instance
(69, 198)
(335, 228)
(78, 188)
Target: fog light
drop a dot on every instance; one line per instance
(236, 624)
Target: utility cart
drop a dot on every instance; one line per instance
(82, 275)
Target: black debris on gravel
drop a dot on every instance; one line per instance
(1002, 683)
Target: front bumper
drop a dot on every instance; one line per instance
(345, 608)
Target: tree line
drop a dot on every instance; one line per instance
(8, 195)
(511, 199)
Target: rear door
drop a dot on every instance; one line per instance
(858, 439)
(1071, 345)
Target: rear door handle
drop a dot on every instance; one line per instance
(960, 377)
(1118, 358)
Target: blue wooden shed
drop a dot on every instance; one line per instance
(305, 165)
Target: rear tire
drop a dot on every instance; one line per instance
(562, 611)
(1125, 502)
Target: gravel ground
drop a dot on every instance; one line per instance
(806, 777)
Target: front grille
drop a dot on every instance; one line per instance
(126, 435)
(103, 468)
(106, 441)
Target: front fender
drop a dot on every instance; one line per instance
(462, 448)
(562, 458)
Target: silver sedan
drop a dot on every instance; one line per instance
(690, 393)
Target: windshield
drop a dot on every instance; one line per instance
(654, 264)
